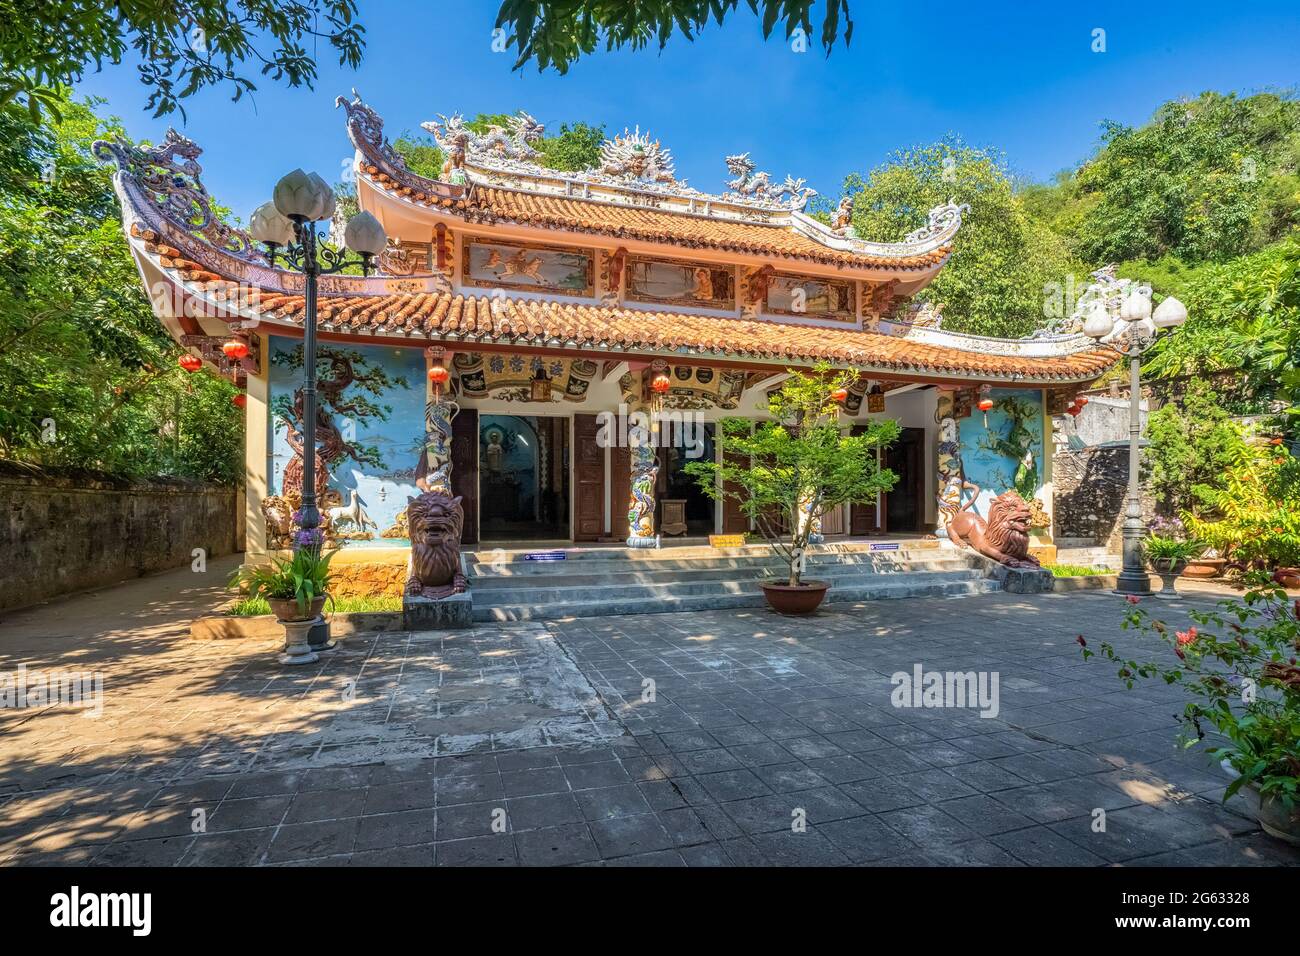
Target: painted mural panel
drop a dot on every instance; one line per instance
(1008, 452)
(680, 283)
(524, 266)
(818, 298)
(371, 429)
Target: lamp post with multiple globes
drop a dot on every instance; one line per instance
(1131, 334)
(287, 227)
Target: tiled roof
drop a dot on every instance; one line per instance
(487, 204)
(547, 323)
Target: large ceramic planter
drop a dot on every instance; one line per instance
(803, 598)
(1276, 820)
(1169, 569)
(1204, 567)
(1287, 577)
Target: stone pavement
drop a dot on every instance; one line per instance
(677, 739)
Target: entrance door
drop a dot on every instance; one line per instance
(464, 469)
(589, 479)
(865, 518)
(523, 477)
(904, 509)
(689, 504)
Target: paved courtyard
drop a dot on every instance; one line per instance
(717, 738)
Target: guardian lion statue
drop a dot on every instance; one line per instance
(434, 521)
(1004, 537)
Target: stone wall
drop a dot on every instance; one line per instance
(64, 534)
(1091, 488)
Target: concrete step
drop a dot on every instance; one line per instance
(484, 565)
(751, 597)
(509, 576)
(689, 554)
(690, 586)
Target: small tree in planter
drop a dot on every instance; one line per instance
(1238, 668)
(798, 465)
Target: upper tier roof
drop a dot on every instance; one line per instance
(633, 194)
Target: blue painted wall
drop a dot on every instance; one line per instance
(987, 467)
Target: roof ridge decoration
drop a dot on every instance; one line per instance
(751, 185)
(164, 183)
(366, 131)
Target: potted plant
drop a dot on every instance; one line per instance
(792, 469)
(296, 590)
(1238, 667)
(1168, 557)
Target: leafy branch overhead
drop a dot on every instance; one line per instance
(181, 47)
(555, 33)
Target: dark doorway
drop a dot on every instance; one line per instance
(679, 446)
(904, 505)
(523, 477)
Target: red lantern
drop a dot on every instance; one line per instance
(235, 349)
(985, 404)
(239, 400)
(190, 362)
(839, 394)
(1073, 411)
(1081, 400)
(660, 384)
(439, 375)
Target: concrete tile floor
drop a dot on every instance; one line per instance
(725, 737)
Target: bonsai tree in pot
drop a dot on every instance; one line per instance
(794, 468)
(1238, 668)
(296, 589)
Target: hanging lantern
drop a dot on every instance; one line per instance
(876, 399)
(190, 362)
(660, 384)
(1081, 400)
(839, 395)
(439, 376)
(985, 404)
(239, 400)
(1073, 411)
(540, 386)
(235, 349)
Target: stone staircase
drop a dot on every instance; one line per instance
(594, 582)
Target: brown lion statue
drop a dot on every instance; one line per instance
(434, 522)
(1004, 537)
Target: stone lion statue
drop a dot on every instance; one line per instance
(434, 521)
(1004, 537)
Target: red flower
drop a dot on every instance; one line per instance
(1080, 641)
(1186, 637)
(1179, 652)
(1132, 598)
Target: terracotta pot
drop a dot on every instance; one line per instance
(1204, 567)
(1287, 577)
(804, 598)
(286, 609)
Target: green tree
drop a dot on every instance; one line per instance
(554, 33)
(575, 148)
(1192, 443)
(797, 464)
(1004, 264)
(182, 47)
(88, 376)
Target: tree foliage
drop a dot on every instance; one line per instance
(799, 463)
(182, 47)
(1192, 443)
(88, 375)
(555, 33)
(1004, 260)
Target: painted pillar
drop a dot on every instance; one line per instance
(645, 470)
(439, 410)
(952, 476)
(257, 457)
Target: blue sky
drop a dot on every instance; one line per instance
(1019, 77)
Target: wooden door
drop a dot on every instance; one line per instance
(905, 505)
(865, 518)
(464, 469)
(589, 479)
(734, 521)
(833, 521)
(620, 490)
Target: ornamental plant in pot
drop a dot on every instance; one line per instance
(296, 589)
(1168, 557)
(1238, 668)
(787, 472)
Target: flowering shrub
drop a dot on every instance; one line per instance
(1256, 514)
(1238, 667)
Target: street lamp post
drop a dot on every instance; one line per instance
(287, 227)
(1131, 335)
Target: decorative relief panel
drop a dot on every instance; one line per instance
(818, 298)
(674, 282)
(539, 268)
(509, 377)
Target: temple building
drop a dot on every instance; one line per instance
(552, 305)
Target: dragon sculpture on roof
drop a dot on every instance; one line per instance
(751, 185)
(633, 155)
(513, 141)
